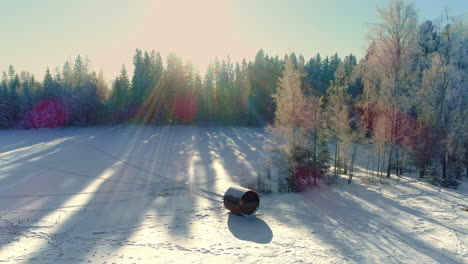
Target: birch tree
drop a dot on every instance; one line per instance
(390, 75)
(288, 129)
(443, 93)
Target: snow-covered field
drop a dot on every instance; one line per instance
(129, 194)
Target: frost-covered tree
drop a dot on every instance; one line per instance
(344, 125)
(443, 93)
(297, 152)
(338, 120)
(292, 145)
(290, 101)
(315, 125)
(389, 77)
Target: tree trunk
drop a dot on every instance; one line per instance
(335, 171)
(337, 162)
(422, 171)
(378, 163)
(389, 166)
(444, 166)
(397, 160)
(315, 158)
(351, 166)
(345, 163)
(458, 172)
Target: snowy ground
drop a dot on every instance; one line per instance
(152, 195)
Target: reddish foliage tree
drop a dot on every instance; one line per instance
(305, 175)
(48, 113)
(185, 107)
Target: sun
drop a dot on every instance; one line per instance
(195, 30)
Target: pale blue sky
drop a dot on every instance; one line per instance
(39, 34)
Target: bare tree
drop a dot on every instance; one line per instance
(443, 93)
(338, 119)
(389, 76)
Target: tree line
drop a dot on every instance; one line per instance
(75, 96)
(159, 92)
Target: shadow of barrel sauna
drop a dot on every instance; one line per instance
(241, 201)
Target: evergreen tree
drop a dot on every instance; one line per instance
(120, 97)
(207, 99)
(13, 97)
(4, 110)
(314, 73)
(263, 76)
(175, 90)
(323, 156)
(80, 71)
(242, 85)
(325, 77)
(48, 85)
(138, 85)
(335, 62)
(26, 104)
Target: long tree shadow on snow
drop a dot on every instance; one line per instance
(122, 191)
(30, 181)
(126, 197)
(350, 223)
(128, 178)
